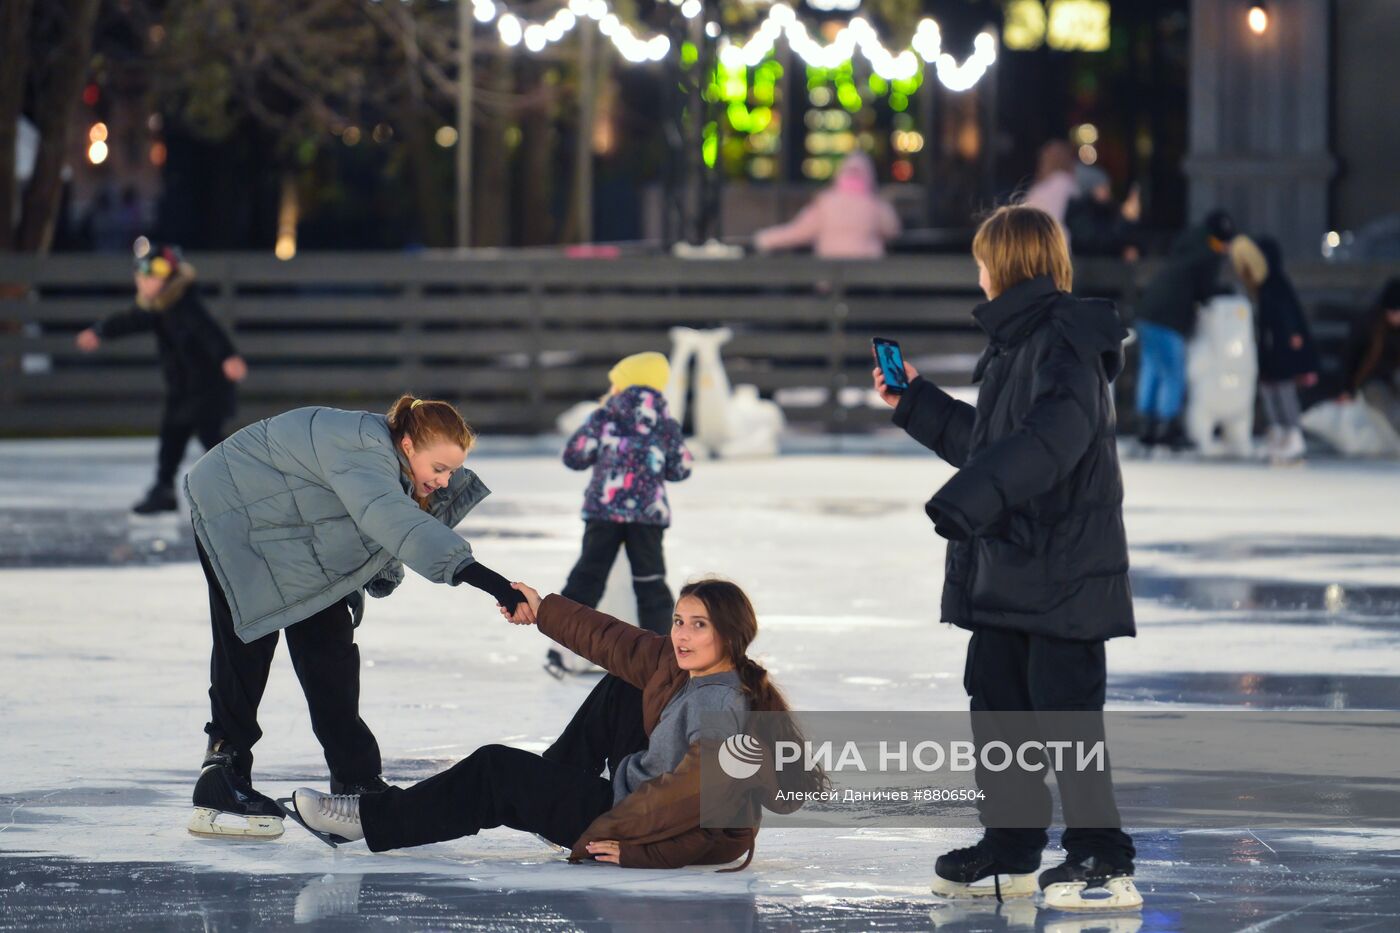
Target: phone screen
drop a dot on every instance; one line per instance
(891, 362)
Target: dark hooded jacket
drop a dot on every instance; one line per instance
(1034, 515)
(1280, 318)
(1373, 348)
(1098, 228)
(1190, 277)
(191, 343)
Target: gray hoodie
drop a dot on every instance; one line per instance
(680, 726)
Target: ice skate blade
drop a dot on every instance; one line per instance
(1113, 923)
(289, 805)
(205, 822)
(1011, 886)
(1018, 914)
(558, 849)
(1116, 894)
(559, 671)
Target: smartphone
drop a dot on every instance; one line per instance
(891, 362)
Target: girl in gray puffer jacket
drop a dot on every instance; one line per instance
(293, 517)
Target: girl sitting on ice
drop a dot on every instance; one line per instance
(646, 721)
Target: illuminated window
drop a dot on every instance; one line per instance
(1024, 27)
(1078, 25)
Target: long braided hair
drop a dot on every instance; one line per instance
(736, 623)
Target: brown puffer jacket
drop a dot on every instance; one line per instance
(658, 824)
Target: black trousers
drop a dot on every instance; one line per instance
(556, 794)
(1015, 672)
(327, 662)
(178, 424)
(589, 577)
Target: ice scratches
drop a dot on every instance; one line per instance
(1279, 918)
(17, 803)
(68, 537)
(114, 796)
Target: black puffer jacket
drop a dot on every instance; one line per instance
(1189, 278)
(1034, 515)
(1373, 348)
(1097, 228)
(1281, 319)
(191, 343)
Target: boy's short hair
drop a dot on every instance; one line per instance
(1017, 243)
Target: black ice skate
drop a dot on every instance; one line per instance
(1090, 883)
(225, 803)
(158, 499)
(561, 663)
(977, 872)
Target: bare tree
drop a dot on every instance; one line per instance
(47, 47)
(298, 69)
(14, 66)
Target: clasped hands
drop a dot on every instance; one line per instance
(526, 609)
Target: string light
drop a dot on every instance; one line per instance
(859, 35)
(781, 23)
(514, 31)
(509, 28)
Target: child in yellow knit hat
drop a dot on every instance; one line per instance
(634, 447)
(650, 369)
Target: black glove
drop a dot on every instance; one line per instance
(484, 578)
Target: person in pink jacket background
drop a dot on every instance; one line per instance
(846, 221)
(1055, 185)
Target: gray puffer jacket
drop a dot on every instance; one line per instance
(305, 508)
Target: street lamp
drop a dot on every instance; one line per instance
(1258, 18)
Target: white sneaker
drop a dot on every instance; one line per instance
(1273, 442)
(337, 814)
(1293, 446)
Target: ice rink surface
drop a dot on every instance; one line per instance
(1257, 587)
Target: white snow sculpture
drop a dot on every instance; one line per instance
(727, 424)
(1222, 370)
